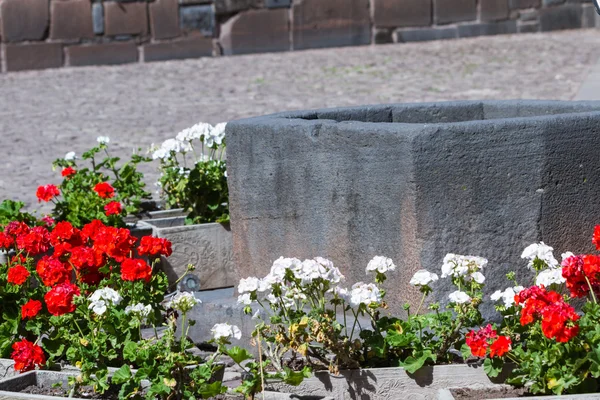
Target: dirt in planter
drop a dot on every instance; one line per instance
(503, 392)
(83, 393)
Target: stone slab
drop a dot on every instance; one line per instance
(101, 54)
(194, 47)
(256, 31)
(490, 28)
(278, 3)
(517, 4)
(450, 11)
(493, 10)
(20, 57)
(206, 246)
(567, 16)
(426, 34)
(401, 13)
(125, 18)
(164, 19)
(71, 20)
(23, 20)
(414, 182)
(318, 24)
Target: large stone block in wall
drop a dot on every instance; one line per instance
(20, 57)
(125, 18)
(493, 10)
(516, 4)
(102, 54)
(566, 16)
(164, 19)
(189, 47)
(23, 20)
(318, 23)
(256, 31)
(71, 20)
(450, 11)
(414, 182)
(401, 13)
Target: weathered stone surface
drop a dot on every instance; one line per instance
(102, 54)
(71, 20)
(278, 3)
(164, 19)
(546, 3)
(23, 20)
(19, 57)
(232, 6)
(425, 34)
(589, 16)
(256, 31)
(206, 246)
(193, 47)
(528, 27)
(516, 4)
(528, 15)
(98, 18)
(197, 18)
(567, 16)
(490, 28)
(125, 18)
(493, 10)
(330, 24)
(399, 13)
(449, 11)
(477, 178)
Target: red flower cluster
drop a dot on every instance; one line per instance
(154, 246)
(47, 192)
(113, 208)
(27, 355)
(487, 338)
(64, 238)
(104, 190)
(59, 299)
(67, 172)
(34, 241)
(17, 275)
(52, 271)
(596, 237)
(31, 309)
(135, 269)
(558, 318)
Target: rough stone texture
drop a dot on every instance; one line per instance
(256, 31)
(426, 34)
(515, 4)
(278, 3)
(71, 20)
(493, 10)
(200, 18)
(98, 18)
(528, 27)
(140, 104)
(490, 28)
(567, 16)
(20, 57)
(414, 182)
(23, 20)
(335, 23)
(449, 11)
(125, 18)
(164, 19)
(589, 16)
(206, 246)
(399, 13)
(231, 6)
(105, 54)
(193, 47)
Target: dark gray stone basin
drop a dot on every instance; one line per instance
(414, 182)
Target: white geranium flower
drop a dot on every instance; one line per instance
(184, 302)
(459, 297)
(103, 139)
(363, 293)
(218, 133)
(458, 265)
(478, 277)
(507, 296)
(248, 285)
(139, 309)
(550, 276)
(566, 255)
(70, 156)
(102, 298)
(423, 277)
(279, 268)
(244, 299)
(175, 146)
(226, 331)
(160, 154)
(380, 264)
(540, 251)
(342, 293)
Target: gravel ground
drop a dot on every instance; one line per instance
(44, 114)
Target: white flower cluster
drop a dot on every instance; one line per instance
(140, 310)
(364, 293)
(550, 276)
(380, 264)
(226, 331)
(423, 278)
(70, 156)
(209, 135)
(466, 266)
(103, 139)
(540, 251)
(102, 298)
(507, 296)
(459, 297)
(184, 302)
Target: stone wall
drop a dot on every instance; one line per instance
(38, 34)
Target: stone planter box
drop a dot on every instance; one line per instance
(206, 246)
(414, 182)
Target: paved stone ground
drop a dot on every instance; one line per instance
(44, 114)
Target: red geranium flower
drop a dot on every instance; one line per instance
(104, 190)
(500, 347)
(52, 271)
(27, 355)
(478, 341)
(112, 208)
(47, 192)
(114, 242)
(572, 271)
(135, 269)
(66, 172)
(48, 220)
(59, 300)
(90, 230)
(596, 238)
(17, 275)
(16, 228)
(87, 262)
(36, 241)
(64, 237)
(153, 246)
(6, 241)
(31, 309)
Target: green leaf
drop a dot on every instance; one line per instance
(122, 375)
(239, 354)
(413, 363)
(130, 351)
(465, 350)
(493, 366)
(207, 391)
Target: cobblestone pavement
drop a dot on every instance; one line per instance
(44, 114)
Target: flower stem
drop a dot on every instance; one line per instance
(421, 303)
(591, 290)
